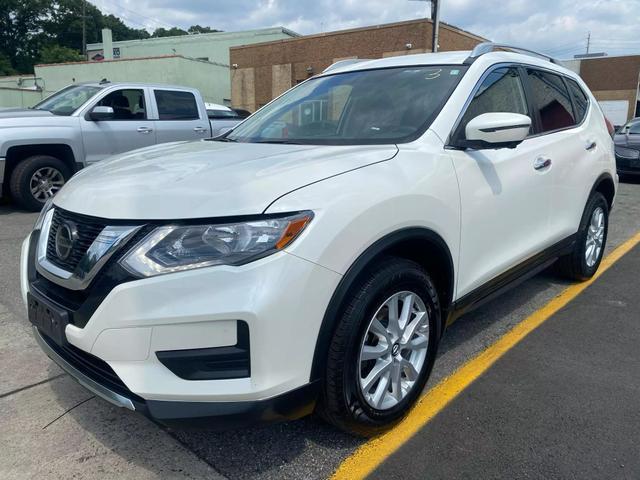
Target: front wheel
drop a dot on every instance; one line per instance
(583, 262)
(37, 179)
(383, 349)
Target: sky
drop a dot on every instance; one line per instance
(557, 27)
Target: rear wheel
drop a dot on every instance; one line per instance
(383, 349)
(583, 262)
(36, 179)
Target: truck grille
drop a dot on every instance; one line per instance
(87, 228)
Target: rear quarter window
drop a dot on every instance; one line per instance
(580, 99)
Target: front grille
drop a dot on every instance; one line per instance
(96, 369)
(88, 229)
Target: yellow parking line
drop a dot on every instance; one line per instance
(371, 454)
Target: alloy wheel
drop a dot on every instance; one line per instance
(393, 350)
(45, 183)
(595, 237)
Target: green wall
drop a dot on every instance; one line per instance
(212, 80)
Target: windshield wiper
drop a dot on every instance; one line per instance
(222, 139)
(282, 142)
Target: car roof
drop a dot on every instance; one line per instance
(448, 58)
(133, 84)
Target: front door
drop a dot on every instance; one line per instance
(129, 128)
(505, 193)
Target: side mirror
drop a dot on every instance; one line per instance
(496, 130)
(101, 113)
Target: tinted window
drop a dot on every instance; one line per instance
(551, 98)
(222, 114)
(500, 91)
(580, 100)
(390, 105)
(635, 128)
(173, 105)
(127, 104)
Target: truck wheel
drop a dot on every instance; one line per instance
(591, 239)
(36, 179)
(383, 349)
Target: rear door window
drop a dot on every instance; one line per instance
(551, 99)
(176, 105)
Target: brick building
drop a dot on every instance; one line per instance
(614, 82)
(262, 71)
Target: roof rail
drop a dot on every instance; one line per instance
(487, 47)
(344, 63)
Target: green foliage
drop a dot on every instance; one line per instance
(198, 29)
(5, 66)
(58, 54)
(169, 32)
(33, 31)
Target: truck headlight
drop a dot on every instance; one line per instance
(627, 152)
(174, 248)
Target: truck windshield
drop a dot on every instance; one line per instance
(68, 100)
(384, 106)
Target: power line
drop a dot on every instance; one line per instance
(153, 19)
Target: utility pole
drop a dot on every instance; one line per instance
(435, 19)
(588, 42)
(84, 29)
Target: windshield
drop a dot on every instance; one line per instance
(391, 105)
(68, 100)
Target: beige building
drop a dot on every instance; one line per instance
(262, 71)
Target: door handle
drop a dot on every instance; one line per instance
(145, 130)
(199, 129)
(542, 163)
(591, 145)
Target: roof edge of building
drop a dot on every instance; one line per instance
(120, 43)
(131, 59)
(360, 29)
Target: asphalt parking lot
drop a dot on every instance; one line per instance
(53, 428)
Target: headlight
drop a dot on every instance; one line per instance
(45, 208)
(175, 248)
(627, 152)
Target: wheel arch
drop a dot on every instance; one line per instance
(605, 185)
(419, 244)
(17, 153)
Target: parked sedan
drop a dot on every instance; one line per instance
(627, 141)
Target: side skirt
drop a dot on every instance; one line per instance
(509, 279)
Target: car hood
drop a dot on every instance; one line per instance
(23, 112)
(206, 178)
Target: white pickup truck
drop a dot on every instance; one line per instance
(41, 147)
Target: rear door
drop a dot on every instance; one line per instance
(179, 116)
(570, 144)
(505, 194)
(130, 127)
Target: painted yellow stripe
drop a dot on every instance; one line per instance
(371, 454)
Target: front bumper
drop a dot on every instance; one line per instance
(281, 298)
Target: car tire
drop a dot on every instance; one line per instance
(344, 402)
(26, 175)
(580, 264)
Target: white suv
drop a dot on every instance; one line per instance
(313, 257)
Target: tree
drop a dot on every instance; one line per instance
(21, 31)
(58, 54)
(198, 29)
(5, 66)
(169, 32)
